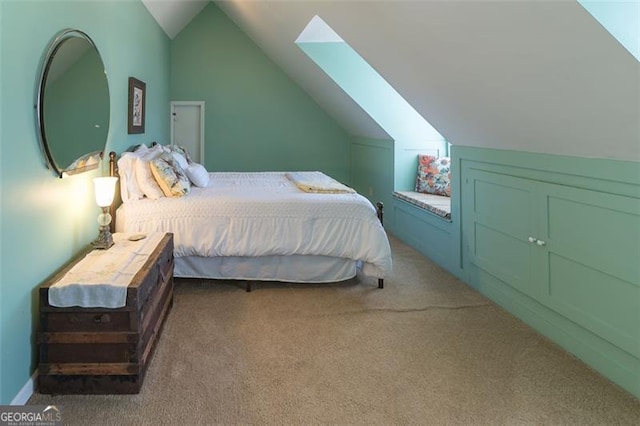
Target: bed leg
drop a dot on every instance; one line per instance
(380, 283)
(248, 286)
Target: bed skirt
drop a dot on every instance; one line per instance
(294, 268)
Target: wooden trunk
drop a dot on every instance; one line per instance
(102, 350)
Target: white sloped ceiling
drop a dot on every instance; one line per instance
(527, 75)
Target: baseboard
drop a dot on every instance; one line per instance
(27, 390)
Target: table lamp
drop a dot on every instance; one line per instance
(105, 188)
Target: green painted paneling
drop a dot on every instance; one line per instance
(505, 203)
(506, 257)
(599, 302)
(612, 245)
(580, 273)
(257, 118)
(429, 234)
(371, 164)
(371, 167)
(581, 288)
(45, 221)
(599, 174)
(499, 220)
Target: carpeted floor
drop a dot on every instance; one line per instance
(425, 350)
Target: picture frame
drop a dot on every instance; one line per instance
(137, 106)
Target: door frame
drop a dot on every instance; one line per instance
(189, 103)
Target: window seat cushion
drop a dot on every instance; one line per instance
(436, 204)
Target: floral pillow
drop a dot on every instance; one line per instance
(434, 175)
(181, 150)
(172, 179)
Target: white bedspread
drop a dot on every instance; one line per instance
(264, 214)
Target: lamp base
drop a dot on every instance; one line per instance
(104, 240)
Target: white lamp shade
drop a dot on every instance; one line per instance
(105, 188)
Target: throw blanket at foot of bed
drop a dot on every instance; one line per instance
(264, 214)
(318, 182)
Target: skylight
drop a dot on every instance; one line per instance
(367, 88)
(621, 18)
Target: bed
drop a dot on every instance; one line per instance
(261, 226)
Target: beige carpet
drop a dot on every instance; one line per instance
(425, 350)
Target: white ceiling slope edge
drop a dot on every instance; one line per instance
(526, 75)
(174, 15)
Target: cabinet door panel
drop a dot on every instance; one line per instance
(504, 256)
(498, 222)
(503, 202)
(599, 302)
(597, 229)
(593, 261)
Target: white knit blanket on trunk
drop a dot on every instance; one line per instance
(102, 277)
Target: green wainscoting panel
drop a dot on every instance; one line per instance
(594, 228)
(593, 267)
(556, 241)
(501, 219)
(431, 235)
(599, 302)
(371, 165)
(503, 202)
(504, 256)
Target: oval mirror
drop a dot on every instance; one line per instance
(73, 104)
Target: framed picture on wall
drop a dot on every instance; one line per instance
(137, 96)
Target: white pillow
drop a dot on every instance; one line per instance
(129, 189)
(147, 183)
(198, 175)
(180, 159)
(141, 148)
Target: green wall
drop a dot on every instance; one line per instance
(45, 221)
(257, 118)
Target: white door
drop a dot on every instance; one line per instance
(187, 127)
